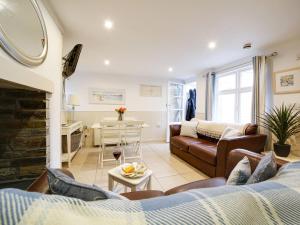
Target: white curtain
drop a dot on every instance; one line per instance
(209, 96)
(262, 92)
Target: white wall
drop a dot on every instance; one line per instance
(152, 110)
(79, 83)
(50, 69)
(286, 59)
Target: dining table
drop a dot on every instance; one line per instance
(97, 126)
(127, 119)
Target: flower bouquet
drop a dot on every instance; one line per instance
(121, 111)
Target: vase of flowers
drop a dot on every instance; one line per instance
(283, 122)
(121, 112)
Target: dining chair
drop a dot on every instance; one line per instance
(110, 135)
(131, 140)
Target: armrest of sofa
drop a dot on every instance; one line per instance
(41, 184)
(139, 195)
(210, 182)
(254, 143)
(175, 130)
(237, 155)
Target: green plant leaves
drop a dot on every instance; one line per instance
(283, 122)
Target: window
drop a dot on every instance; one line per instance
(233, 96)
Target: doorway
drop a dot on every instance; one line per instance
(178, 94)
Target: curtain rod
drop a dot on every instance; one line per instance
(228, 68)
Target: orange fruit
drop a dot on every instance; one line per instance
(128, 169)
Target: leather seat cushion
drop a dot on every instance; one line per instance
(205, 150)
(183, 142)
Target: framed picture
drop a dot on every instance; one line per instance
(150, 90)
(107, 96)
(287, 81)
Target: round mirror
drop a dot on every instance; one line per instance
(23, 32)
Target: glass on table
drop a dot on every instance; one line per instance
(117, 154)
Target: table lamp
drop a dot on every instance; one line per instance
(73, 100)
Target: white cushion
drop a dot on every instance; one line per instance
(189, 129)
(215, 129)
(230, 132)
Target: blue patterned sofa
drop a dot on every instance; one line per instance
(276, 201)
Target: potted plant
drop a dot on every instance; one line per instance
(120, 111)
(283, 122)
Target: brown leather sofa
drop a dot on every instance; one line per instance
(210, 155)
(41, 184)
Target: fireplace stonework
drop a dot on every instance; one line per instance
(24, 136)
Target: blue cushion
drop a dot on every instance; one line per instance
(266, 169)
(241, 173)
(61, 184)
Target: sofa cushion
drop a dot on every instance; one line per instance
(215, 129)
(241, 173)
(266, 169)
(230, 132)
(204, 150)
(62, 184)
(189, 129)
(183, 142)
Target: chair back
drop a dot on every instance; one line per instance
(110, 132)
(132, 130)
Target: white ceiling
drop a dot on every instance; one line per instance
(151, 35)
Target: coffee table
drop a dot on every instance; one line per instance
(114, 175)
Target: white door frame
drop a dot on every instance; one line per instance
(168, 110)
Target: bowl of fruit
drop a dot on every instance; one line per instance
(133, 170)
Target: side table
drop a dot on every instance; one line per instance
(290, 158)
(67, 130)
(114, 175)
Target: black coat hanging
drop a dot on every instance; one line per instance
(191, 105)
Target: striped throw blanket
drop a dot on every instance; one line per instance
(276, 201)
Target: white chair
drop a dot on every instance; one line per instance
(110, 135)
(131, 140)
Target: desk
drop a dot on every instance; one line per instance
(67, 130)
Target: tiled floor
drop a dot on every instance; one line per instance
(168, 170)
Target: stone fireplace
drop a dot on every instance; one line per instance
(24, 134)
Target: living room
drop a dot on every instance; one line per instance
(124, 112)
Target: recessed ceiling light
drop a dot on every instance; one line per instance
(106, 62)
(170, 69)
(108, 24)
(212, 45)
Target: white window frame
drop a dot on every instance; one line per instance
(237, 90)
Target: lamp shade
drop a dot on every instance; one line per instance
(73, 100)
